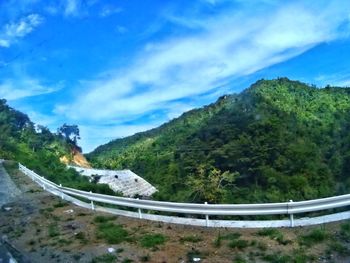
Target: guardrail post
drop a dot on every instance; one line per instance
(206, 217)
(291, 217)
(43, 183)
(92, 204)
(62, 194)
(139, 210)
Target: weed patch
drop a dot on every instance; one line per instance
(313, 237)
(192, 239)
(112, 233)
(108, 258)
(152, 240)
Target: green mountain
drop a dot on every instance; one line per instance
(39, 149)
(275, 141)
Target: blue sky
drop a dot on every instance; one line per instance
(119, 67)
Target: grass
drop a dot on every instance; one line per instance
(81, 236)
(60, 204)
(315, 236)
(104, 219)
(53, 230)
(239, 259)
(112, 233)
(64, 242)
(344, 232)
(238, 243)
(145, 258)
(152, 240)
(217, 241)
(107, 258)
(277, 258)
(338, 247)
(191, 239)
(274, 234)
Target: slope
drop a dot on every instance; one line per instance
(275, 141)
(39, 149)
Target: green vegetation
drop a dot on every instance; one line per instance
(345, 232)
(107, 258)
(277, 140)
(39, 149)
(53, 230)
(274, 234)
(152, 240)
(104, 219)
(238, 243)
(112, 233)
(315, 236)
(191, 238)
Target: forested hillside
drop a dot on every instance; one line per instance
(275, 141)
(39, 149)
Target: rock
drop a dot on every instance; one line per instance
(111, 250)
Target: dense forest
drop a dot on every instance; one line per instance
(275, 141)
(39, 149)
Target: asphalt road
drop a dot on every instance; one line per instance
(8, 189)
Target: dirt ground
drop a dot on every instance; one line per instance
(45, 230)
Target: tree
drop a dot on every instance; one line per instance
(70, 133)
(208, 183)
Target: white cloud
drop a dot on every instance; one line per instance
(72, 7)
(13, 89)
(110, 10)
(121, 30)
(11, 32)
(231, 45)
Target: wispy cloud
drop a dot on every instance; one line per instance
(72, 7)
(11, 32)
(230, 46)
(109, 10)
(13, 89)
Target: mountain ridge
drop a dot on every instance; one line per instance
(243, 147)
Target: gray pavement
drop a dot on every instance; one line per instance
(8, 190)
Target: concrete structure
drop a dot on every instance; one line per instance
(204, 210)
(124, 181)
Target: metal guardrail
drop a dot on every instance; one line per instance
(287, 208)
